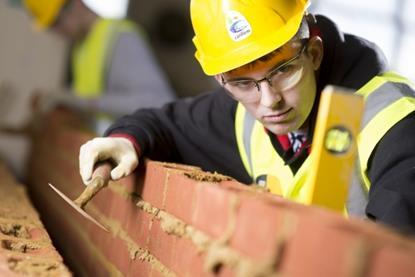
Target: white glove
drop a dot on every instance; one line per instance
(119, 150)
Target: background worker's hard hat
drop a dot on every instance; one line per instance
(45, 12)
(232, 33)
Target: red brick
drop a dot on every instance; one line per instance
(128, 184)
(118, 254)
(161, 245)
(257, 226)
(321, 250)
(152, 186)
(176, 166)
(180, 193)
(236, 186)
(103, 201)
(121, 208)
(187, 259)
(102, 242)
(138, 227)
(392, 261)
(212, 208)
(38, 233)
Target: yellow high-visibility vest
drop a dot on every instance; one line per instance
(91, 57)
(388, 99)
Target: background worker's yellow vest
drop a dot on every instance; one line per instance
(388, 99)
(91, 56)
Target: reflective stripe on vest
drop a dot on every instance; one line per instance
(388, 99)
(91, 57)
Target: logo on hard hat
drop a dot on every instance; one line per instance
(338, 140)
(237, 25)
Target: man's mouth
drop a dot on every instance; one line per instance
(277, 117)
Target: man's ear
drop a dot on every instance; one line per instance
(315, 51)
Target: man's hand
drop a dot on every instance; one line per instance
(119, 150)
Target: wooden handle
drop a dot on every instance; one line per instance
(100, 179)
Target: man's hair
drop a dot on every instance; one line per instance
(302, 33)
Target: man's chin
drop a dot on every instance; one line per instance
(280, 129)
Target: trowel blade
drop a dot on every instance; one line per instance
(77, 208)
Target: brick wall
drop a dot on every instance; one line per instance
(176, 220)
(25, 246)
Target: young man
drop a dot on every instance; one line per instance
(273, 60)
(112, 68)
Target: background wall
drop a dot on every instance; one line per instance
(388, 23)
(28, 60)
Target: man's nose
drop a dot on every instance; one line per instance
(269, 95)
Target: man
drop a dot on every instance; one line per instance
(113, 70)
(273, 60)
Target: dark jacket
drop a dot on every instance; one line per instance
(200, 130)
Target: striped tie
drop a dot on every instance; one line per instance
(297, 140)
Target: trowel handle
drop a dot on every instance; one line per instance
(102, 170)
(100, 178)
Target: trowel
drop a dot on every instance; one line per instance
(100, 179)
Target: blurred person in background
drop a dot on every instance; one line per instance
(112, 69)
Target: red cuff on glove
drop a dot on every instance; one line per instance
(130, 138)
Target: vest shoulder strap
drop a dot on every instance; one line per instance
(90, 58)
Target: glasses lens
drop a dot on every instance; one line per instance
(283, 78)
(243, 90)
(287, 77)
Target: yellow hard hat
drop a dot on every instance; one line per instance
(232, 33)
(45, 12)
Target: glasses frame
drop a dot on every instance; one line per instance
(270, 74)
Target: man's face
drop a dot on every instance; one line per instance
(281, 108)
(68, 23)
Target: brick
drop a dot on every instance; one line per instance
(236, 186)
(155, 175)
(187, 259)
(128, 183)
(100, 239)
(138, 227)
(180, 196)
(392, 261)
(118, 254)
(23, 239)
(38, 234)
(321, 249)
(211, 213)
(257, 226)
(161, 245)
(103, 201)
(121, 208)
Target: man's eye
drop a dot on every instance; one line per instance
(244, 84)
(286, 69)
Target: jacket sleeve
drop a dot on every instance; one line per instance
(392, 176)
(197, 131)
